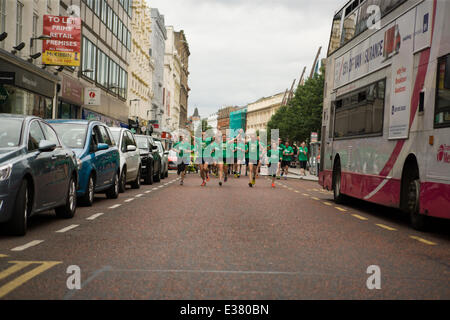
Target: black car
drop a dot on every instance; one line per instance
(37, 172)
(150, 159)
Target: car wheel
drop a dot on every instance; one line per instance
(88, 198)
(17, 226)
(113, 192)
(67, 211)
(123, 181)
(136, 184)
(158, 175)
(149, 178)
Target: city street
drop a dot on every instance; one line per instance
(168, 241)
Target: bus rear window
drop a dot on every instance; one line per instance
(442, 118)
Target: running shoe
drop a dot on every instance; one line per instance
(278, 178)
(181, 183)
(250, 185)
(253, 182)
(220, 183)
(203, 184)
(285, 178)
(207, 178)
(273, 185)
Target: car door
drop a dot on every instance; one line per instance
(42, 166)
(61, 164)
(133, 158)
(108, 155)
(100, 158)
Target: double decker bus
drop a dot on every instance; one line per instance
(386, 118)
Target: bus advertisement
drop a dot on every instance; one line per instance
(386, 118)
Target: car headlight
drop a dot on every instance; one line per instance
(5, 172)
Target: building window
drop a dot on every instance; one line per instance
(35, 31)
(89, 58)
(110, 18)
(2, 17)
(97, 7)
(442, 112)
(113, 77)
(19, 17)
(104, 14)
(102, 69)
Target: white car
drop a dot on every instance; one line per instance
(130, 159)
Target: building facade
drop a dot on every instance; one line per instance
(260, 112)
(25, 86)
(172, 82)
(141, 68)
(212, 121)
(182, 47)
(158, 43)
(223, 119)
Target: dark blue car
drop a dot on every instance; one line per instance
(97, 157)
(37, 172)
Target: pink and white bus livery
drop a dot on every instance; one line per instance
(386, 119)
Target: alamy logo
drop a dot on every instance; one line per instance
(74, 280)
(374, 281)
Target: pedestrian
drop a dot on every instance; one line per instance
(206, 157)
(288, 152)
(280, 153)
(253, 157)
(303, 158)
(274, 160)
(183, 150)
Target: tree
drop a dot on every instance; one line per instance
(303, 114)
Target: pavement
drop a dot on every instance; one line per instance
(168, 241)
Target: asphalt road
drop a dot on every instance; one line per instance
(168, 241)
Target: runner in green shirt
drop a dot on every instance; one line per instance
(303, 157)
(274, 159)
(280, 152)
(253, 158)
(183, 150)
(288, 152)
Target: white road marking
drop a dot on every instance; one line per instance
(129, 200)
(68, 228)
(115, 206)
(139, 195)
(28, 245)
(155, 189)
(148, 191)
(95, 216)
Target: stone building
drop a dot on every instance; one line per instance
(158, 45)
(141, 67)
(223, 119)
(182, 47)
(260, 112)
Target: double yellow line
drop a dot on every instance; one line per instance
(18, 266)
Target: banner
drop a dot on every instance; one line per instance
(402, 39)
(64, 47)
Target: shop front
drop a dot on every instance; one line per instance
(70, 99)
(91, 115)
(25, 88)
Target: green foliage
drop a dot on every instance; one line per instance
(303, 114)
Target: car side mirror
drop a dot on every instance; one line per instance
(166, 153)
(102, 146)
(131, 148)
(46, 146)
(154, 148)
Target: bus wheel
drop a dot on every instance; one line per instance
(418, 221)
(338, 196)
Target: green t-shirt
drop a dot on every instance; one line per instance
(274, 156)
(301, 155)
(182, 148)
(253, 150)
(281, 148)
(287, 150)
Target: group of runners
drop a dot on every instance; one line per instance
(228, 156)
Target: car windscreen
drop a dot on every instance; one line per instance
(72, 135)
(142, 143)
(116, 136)
(159, 145)
(10, 132)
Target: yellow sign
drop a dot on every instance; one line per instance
(61, 58)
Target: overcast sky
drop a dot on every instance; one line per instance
(242, 50)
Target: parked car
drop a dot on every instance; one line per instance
(97, 157)
(150, 159)
(130, 159)
(37, 172)
(164, 158)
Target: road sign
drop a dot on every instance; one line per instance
(92, 96)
